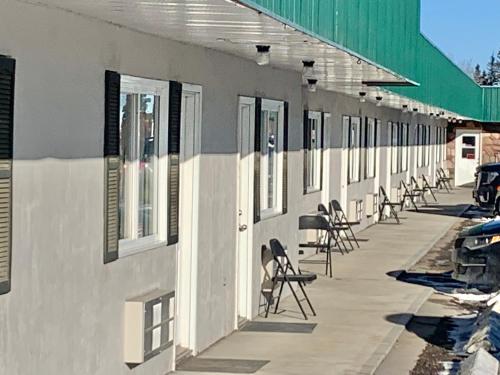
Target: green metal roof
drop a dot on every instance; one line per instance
(387, 32)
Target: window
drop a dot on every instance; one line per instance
(352, 129)
(143, 153)
(271, 159)
(445, 143)
(423, 148)
(428, 145)
(314, 146)
(370, 147)
(404, 147)
(394, 126)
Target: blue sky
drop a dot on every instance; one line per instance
(465, 30)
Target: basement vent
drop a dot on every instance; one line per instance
(149, 325)
(355, 210)
(371, 204)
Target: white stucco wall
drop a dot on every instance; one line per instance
(64, 314)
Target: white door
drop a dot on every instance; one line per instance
(246, 121)
(467, 155)
(187, 256)
(326, 195)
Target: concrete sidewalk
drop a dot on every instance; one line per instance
(353, 335)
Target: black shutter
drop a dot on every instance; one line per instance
(322, 150)
(305, 141)
(257, 151)
(285, 159)
(174, 146)
(112, 166)
(7, 80)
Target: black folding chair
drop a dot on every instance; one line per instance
(386, 202)
(336, 230)
(411, 195)
(443, 180)
(285, 273)
(428, 187)
(340, 220)
(324, 242)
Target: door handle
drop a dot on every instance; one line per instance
(243, 228)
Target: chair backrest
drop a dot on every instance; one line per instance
(382, 192)
(323, 210)
(316, 222)
(414, 182)
(403, 184)
(336, 205)
(277, 248)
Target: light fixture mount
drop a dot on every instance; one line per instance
(362, 96)
(308, 70)
(312, 84)
(263, 54)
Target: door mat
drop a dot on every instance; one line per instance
(233, 366)
(279, 327)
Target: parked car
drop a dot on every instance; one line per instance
(476, 256)
(487, 186)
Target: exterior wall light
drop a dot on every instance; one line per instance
(362, 96)
(379, 101)
(312, 84)
(308, 71)
(263, 55)
(405, 108)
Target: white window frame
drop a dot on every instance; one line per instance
(371, 147)
(428, 146)
(404, 147)
(418, 144)
(130, 246)
(277, 209)
(354, 149)
(314, 156)
(445, 143)
(394, 127)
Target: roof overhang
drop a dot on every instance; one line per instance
(235, 28)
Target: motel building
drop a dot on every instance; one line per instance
(151, 148)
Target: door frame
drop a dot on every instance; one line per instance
(326, 150)
(458, 155)
(186, 266)
(244, 257)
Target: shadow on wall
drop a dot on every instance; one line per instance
(267, 277)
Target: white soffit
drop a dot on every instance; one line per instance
(236, 29)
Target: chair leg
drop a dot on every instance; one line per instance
(331, 263)
(395, 214)
(279, 298)
(308, 301)
(432, 193)
(414, 203)
(269, 300)
(297, 298)
(353, 236)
